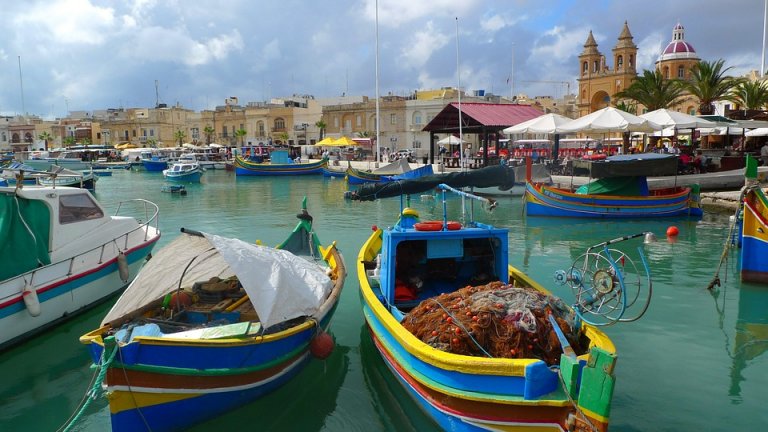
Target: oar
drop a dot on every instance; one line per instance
(567, 349)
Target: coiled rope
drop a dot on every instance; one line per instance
(91, 394)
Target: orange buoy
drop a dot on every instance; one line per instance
(180, 300)
(672, 231)
(428, 226)
(321, 346)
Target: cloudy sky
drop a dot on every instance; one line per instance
(64, 55)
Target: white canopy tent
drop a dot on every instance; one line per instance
(451, 140)
(545, 124)
(610, 119)
(757, 132)
(673, 119)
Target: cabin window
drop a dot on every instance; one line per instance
(78, 208)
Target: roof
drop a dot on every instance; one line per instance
(479, 117)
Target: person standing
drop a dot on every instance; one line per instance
(764, 154)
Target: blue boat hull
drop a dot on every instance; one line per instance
(754, 238)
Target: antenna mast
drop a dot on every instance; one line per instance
(21, 87)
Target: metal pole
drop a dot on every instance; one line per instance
(21, 87)
(762, 59)
(378, 120)
(458, 80)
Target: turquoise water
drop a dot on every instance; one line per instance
(695, 361)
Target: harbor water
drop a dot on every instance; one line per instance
(696, 361)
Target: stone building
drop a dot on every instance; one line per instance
(599, 82)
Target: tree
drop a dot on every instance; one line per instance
(749, 95)
(45, 136)
(151, 142)
(283, 137)
(627, 107)
(209, 130)
(241, 133)
(68, 141)
(363, 134)
(710, 83)
(652, 91)
(179, 136)
(321, 125)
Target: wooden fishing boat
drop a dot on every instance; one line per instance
(279, 165)
(64, 177)
(620, 191)
(202, 330)
(754, 236)
(357, 177)
(421, 285)
(63, 253)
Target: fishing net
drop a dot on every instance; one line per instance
(494, 320)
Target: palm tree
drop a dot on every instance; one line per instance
(652, 91)
(321, 125)
(710, 83)
(179, 135)
(749, 95)
(68, 141)
(240, 133)
(363, 134)
(209, 130)
(45, 136)
(626, 106)
(283, 137)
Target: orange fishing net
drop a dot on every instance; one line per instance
(494, 320)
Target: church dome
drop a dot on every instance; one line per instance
(678, 48)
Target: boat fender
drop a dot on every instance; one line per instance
(29, 294)
(321, 345)
(122, 266)
(453, 225)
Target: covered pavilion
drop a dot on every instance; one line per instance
(477, 118)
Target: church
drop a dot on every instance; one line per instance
(598, 81)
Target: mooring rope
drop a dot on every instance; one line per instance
(90, 395)
(729, 240)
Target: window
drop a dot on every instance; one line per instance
(336, 122)
(151, 132)
(393, 119)
(359, 120)
(260, 127)
(195, 133)
(78, 208)
(417, 118)
(585, 68)
(666, 72)
(279, 123)
(619, 62)
(631, 61)
(680, 72)
(224, 132)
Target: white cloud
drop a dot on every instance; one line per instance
(175, 45)
(649, 50)
(68, 21)
(397, 12)
(554, 51)
(418, 51)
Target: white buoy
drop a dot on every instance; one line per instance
(29, 294)
(122, 266)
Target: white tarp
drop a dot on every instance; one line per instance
(280, 285)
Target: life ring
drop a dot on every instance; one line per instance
(436, 226)
(428, 226)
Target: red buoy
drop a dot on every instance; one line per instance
(321, 346)
(374, 228)
(672, 231)
(180, 300)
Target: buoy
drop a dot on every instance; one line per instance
(29, 294)
(321, 346)
(180, 300)
(122, 266)
(672, 231)
(374, 228)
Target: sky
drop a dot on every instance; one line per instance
(58, 56)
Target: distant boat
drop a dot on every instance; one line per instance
(65, 177)
(175, 189)
(184, 172)
(279, 165)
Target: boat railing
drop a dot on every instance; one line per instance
(467, 214)
(150, 211)
(66, 267)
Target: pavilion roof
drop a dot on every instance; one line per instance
(480, 117)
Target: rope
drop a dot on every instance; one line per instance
(579, 412)
(90, 395)
(724, 256)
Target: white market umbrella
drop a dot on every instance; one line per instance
(610, 119)
(674, 119)
(545, 124)
(451, 140)
(757, 132)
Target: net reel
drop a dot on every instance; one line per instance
(606, 283)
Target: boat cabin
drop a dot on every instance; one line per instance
(418, 262)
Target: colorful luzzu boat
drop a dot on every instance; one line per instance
(202, 331)
(620, 191)
(279, 165)
(754, 236)
(510, 392)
